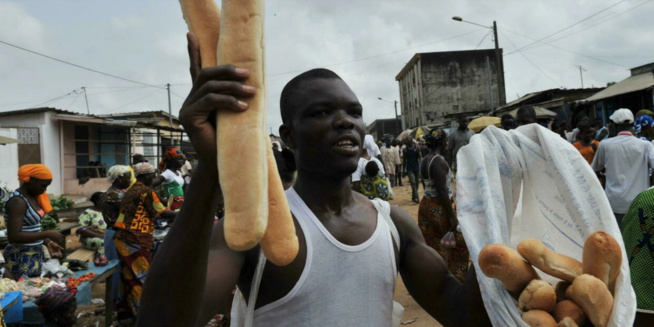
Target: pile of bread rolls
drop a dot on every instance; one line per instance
(583, 296)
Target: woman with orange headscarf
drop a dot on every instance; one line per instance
(171, 178)
(23, 212)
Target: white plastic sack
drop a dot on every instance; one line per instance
(561, 204)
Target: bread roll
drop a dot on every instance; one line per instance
(560, 289)
(569, 309)
(279, 243)
(242, 148)
(502, 262)
(203, 20)
(551, 263)
(567, 322)
(538, 318)
(539, 295)
(602, 258)
(594, 298)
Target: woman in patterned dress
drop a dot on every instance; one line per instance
(436, 217)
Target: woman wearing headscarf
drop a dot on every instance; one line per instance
(23, 212)
(172, 178)
(134, 234)
(436, 217)
(644, 126)
(58, 306)
(121, 178)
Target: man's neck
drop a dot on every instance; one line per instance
(323, 193)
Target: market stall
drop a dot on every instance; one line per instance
(23, 309)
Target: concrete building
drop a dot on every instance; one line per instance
(77, 148)
(381, 127)
(436, 84)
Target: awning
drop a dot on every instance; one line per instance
(632, 84)
(8, 140)
(541, 113)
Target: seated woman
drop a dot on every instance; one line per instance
(23, 212)
(92, 231)
(58, 306)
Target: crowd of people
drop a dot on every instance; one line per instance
(351, 248)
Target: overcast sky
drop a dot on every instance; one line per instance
(367, 42)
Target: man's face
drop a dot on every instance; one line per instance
(525, 119)
(587, 135)
(463, 124)
(327, 128)
(508, 123)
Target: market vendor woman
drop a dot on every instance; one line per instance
(23, 212)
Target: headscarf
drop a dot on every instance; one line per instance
(171, 153)
(644, 112)
(643, 121)
(370, 146)
(117, 170)
(53, 299)
(37, 171)
(143, 168)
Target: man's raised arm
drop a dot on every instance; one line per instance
(429, 281)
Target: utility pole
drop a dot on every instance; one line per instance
(500, 68)
(170, 116)
(581, 74)
(87, 100)
(490, 86)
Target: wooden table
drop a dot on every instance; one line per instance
(66, 228)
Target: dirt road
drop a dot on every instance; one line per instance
(411, 309)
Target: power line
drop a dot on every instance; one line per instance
(76, 65)
(565, 28)
(482, 39)
(135, 101)
(531, 62)
(566, 50)
(377, 55)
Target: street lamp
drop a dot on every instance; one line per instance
(498, 57)
(396, 115)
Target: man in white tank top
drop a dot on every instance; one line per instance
(344, 274)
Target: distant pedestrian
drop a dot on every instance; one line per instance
(644, 128)
(627, 161)
(526, 115)
(398, 165)
(412, 157)
(601, 131)
(138, 158)
(457, 139)
(508, 122)
(586, 145)
(390, 158)
(171, 178)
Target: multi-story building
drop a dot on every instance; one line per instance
(436, 84)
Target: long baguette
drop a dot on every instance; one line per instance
(279, 244)
(242, 148)
(203, 20)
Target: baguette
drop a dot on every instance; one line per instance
(538, 295)
(551, 263)
(602, 258)
(593, 296)
(203, 20)
(569, 309)
(279, 243)
(502, 262)
(538, 318)
(242, 160)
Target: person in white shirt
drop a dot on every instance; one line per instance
(627, 161)
(373, 148)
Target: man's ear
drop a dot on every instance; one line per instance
(286, 132)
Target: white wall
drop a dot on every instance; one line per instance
(49, 139)
(9, 160)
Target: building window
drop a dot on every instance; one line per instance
(99, 147)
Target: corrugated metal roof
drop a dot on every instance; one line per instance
(42, 109)
(631, 84)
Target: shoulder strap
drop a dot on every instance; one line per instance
(429, 166)
(254, 290)
(384, 208)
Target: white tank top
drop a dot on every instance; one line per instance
(341, 285)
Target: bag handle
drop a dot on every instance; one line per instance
(384, 208)
(254, 290)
